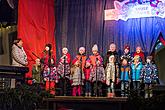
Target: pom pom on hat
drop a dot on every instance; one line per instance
(82, 48)
(95, 48)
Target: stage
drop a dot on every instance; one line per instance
(86, 103)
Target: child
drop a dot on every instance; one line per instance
(76, 78)
(136, 67)
(124, 77)
(139, 53)
(63, 70)
(149, 75)
(111, 72)
(36, 72)
(64, 64)
(87, 73)
(81, 57)
(127, 54)
(46, 55)
(97, 72)
(111, 51)
(50, 77)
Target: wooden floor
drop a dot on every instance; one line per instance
(87, 99)
(86, 103)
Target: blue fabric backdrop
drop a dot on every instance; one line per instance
(81, 23)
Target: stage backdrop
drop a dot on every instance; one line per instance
(81, 23)
(36, 23)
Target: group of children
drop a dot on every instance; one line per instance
(89, 74)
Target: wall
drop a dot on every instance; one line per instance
(4, 33)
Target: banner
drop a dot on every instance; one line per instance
(136, 9)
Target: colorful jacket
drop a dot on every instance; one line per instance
(149, 73)
(97, 69)
(76, 77)
(50, 73)
(87, 73)
(82, 60)
(128, 56)
(109, 53)
(36, 73)
(111, 73)
(63, 69)
(19, 57)
(136, 71)
(125, 73)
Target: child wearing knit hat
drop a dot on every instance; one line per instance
(97, 73)
(126, 54)
(111, 51)
(140, 53)
(75, 78)
(63, 70)
(87, 73)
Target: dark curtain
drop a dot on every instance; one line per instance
(81, 23)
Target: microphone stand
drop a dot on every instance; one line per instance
(96, 77)
(64, 86)
(124, 82)
(49, 66)
(81, 75)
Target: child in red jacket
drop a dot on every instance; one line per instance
(87, 73)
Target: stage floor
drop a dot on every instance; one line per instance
(86, 99)
(86, 103)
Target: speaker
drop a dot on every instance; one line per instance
(158, 90)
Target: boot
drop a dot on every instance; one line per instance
(110, 95)
(89, 94)
(86, 94)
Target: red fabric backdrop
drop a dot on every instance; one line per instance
(36, 24)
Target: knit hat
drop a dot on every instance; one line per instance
(127, 47)
(95, 48)
(64, 48)
(82, 48)
(74, 61)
